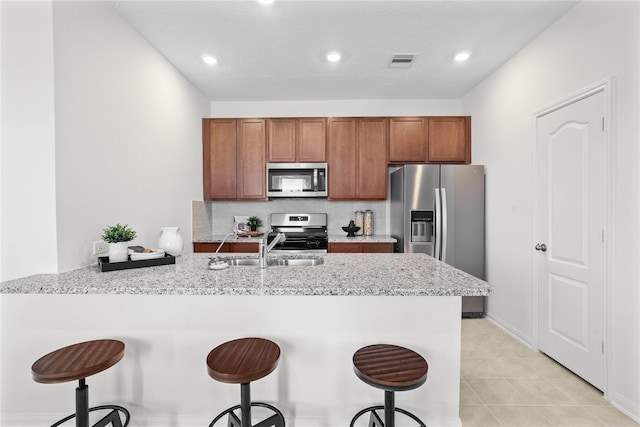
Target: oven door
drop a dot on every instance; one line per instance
(300, 242)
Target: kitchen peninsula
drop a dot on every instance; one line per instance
(171, 316)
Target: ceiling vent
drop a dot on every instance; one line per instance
(402, 60)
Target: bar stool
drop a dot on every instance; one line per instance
(77, 362)
(239, 362)
(390, 368)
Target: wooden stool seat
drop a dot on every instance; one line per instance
(239, 362)
(391, 368)
(77, 361)
(243, 360)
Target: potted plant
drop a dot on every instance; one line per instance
(118, 237)
(254, 222)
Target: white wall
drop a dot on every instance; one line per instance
(98, 128)
(128, 133)
(27, 168)
(592, 42)
(350, 108)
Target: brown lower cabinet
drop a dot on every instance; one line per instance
(227, 247)
(358, 248)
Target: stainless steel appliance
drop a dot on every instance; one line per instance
(305, 233)
(296, 180)
(439, 210)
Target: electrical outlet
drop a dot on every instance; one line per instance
(100, 247)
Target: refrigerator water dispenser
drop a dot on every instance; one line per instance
(421, 226)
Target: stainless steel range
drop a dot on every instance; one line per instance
(305, 232)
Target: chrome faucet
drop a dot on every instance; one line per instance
(264, 248)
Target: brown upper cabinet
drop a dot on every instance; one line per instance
(449, 140)
(357, 151)
(234, 159)
(252, 161)
(430, 139)
(407, 139)
(219, 158)
(341, 158)
(301, 140)
(357, 158)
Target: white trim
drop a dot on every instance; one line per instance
(607, 87)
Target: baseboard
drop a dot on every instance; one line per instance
(627, 407)
(512, 331)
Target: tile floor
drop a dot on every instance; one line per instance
(504, 383)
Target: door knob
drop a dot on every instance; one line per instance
(541, 247)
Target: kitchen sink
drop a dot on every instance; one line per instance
(281, 261)
(298, 262)
(240, 261)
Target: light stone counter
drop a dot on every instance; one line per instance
(340, 275)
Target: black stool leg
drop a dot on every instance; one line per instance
(245, 404)
(275, 420)
(82, 404)
(389, 409)
(82, 411)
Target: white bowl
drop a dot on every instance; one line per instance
(157, 253)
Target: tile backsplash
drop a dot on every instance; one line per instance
(214, 218)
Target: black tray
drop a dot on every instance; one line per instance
(103, 263)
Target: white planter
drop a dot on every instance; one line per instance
(118, 252)
(171, 241)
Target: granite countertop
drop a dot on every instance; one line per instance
(377, 238)
(217, 238)
(339, 275)
(333, 238)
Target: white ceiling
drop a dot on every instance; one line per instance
(276, 52)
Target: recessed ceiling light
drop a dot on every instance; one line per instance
(333, 56)
(462, 56)
(266, 1)
(208, 59)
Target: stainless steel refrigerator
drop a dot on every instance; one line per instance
(439, 210)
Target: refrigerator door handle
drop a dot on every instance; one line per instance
(438, 225)
(445, 227)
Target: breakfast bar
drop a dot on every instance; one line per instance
(170, 317)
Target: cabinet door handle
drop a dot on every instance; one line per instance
(541, 247)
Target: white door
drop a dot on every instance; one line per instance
(570, 170)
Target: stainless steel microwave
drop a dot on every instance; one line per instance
(296, 180)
